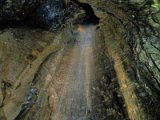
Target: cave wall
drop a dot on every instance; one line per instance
(138, 24)
(22, 53)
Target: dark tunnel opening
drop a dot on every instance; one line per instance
(89, 18)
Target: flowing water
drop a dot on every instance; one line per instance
(74, 102)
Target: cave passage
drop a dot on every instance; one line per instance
(90, 18)
(69, 60)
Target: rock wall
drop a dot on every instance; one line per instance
(138, 26)
(23, 50)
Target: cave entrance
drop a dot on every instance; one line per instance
(89, 17)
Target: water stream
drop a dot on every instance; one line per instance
(74, 102)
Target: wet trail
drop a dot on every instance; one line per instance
(74, 102)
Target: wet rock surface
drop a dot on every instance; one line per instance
(47, 75)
